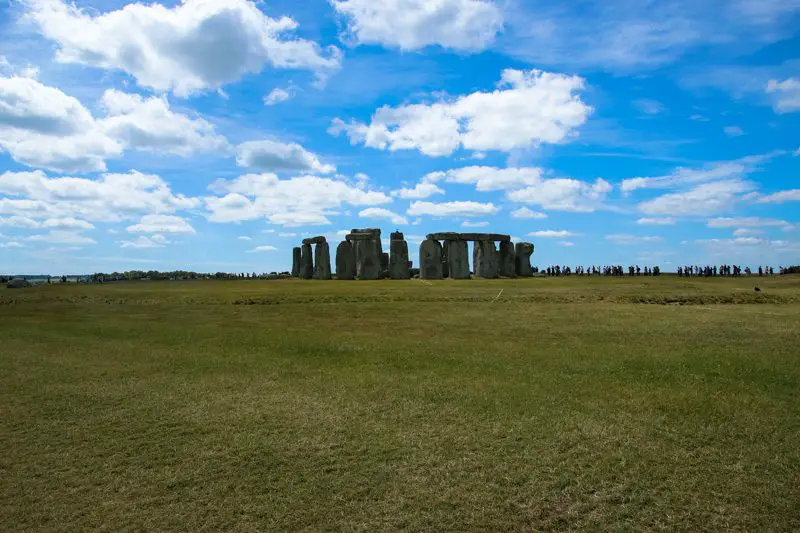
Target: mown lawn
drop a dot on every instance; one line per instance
(558, 404)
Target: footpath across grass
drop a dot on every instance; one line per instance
(557, 404)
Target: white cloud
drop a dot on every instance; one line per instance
(489, 178)
(63, 237)
(143, 241)
(468, 224)
(66, 223)
(469, 25)
(298, 201)
(632, 239)
(552, 234)
(685, 176)
(161, 224)
(451, 209)
(272, 156)
(277, 95)
(649, 107)
(527, 109)
(11, 244)
(747, 232)
(108, 198)
(699, 118)
(786, 95)
(779, 197)
(746, 222)
(420, 191)
(524, 212)
(664, 221)
(380, 213)
(287, 234)
(564, 194)
(18, 222)
(565, 243)
(733, 131)
(243, 238)
(196, 45)
(708, 198)
(265, 248)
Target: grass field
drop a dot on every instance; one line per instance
(561, 404)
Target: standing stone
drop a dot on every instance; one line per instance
(484, 259)
(384, 260)
(306, 262)
(446, 259)
(507, 267)
(322, 261)
(398, 258)
(523, 253)
(296, 260)
(458, 259)
(430, 259)
(368, 261)
(345, 261)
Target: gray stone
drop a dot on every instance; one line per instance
(368, 260)
(507, 267)
(397, 236)
(458, 259)
(484, 259)
(360, 237)
(296, 259)
(451, 236)
(523, 253)
(322, 261)
(430, 259)
(315, 240)
(345, 261)
(398, 259)
(445, 259)
(384, 261)
(18, 283)
(306, 262)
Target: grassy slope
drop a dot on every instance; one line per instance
(389, 405)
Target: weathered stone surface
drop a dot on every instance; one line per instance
(397, 236)
(484, 259)
(315, 240)
(446, 259)
(398, 259)
(296, 258)
(306, 262)
(360, 237)
(18, 283)
(523, 253)
(458, 259)
(430, 259)
(507, 267)
(322, 261)
(374, 231)
(368, 260)
(451, 236)
(384, 261)
(345, 261)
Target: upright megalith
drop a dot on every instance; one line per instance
(523, 253)
(446, 259)
(322, 261)
(398, 257)
(458, 259)
(430, 259)
(484, 259)
(368, 262)
(306, 262)
(507, 267)
(296, 260)
(345, 261)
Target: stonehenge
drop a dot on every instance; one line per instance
(441, 255)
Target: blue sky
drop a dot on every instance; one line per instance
(213, 135)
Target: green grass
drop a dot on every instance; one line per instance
(563, 404)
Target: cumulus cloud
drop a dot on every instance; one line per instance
(63, 237)
(747, 232)
(297, 201)
(66, 223)
(619, 238)
(196, 45)
(161, 224)
(552, 234)
(420, 191)
(468, 224)
(779, 197)
(746, 222)
(469, 25)
(452, 209)
(277, 95)
(785, 94)
(243, 238)
(708, 198)
(273, 156)
(687, 176)
(525, 213)
(18, 222)
(143, 241)
(527, 109)
(650, 221)
(489, 178)
(380, 213)
(265, 248)
(564, 194)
